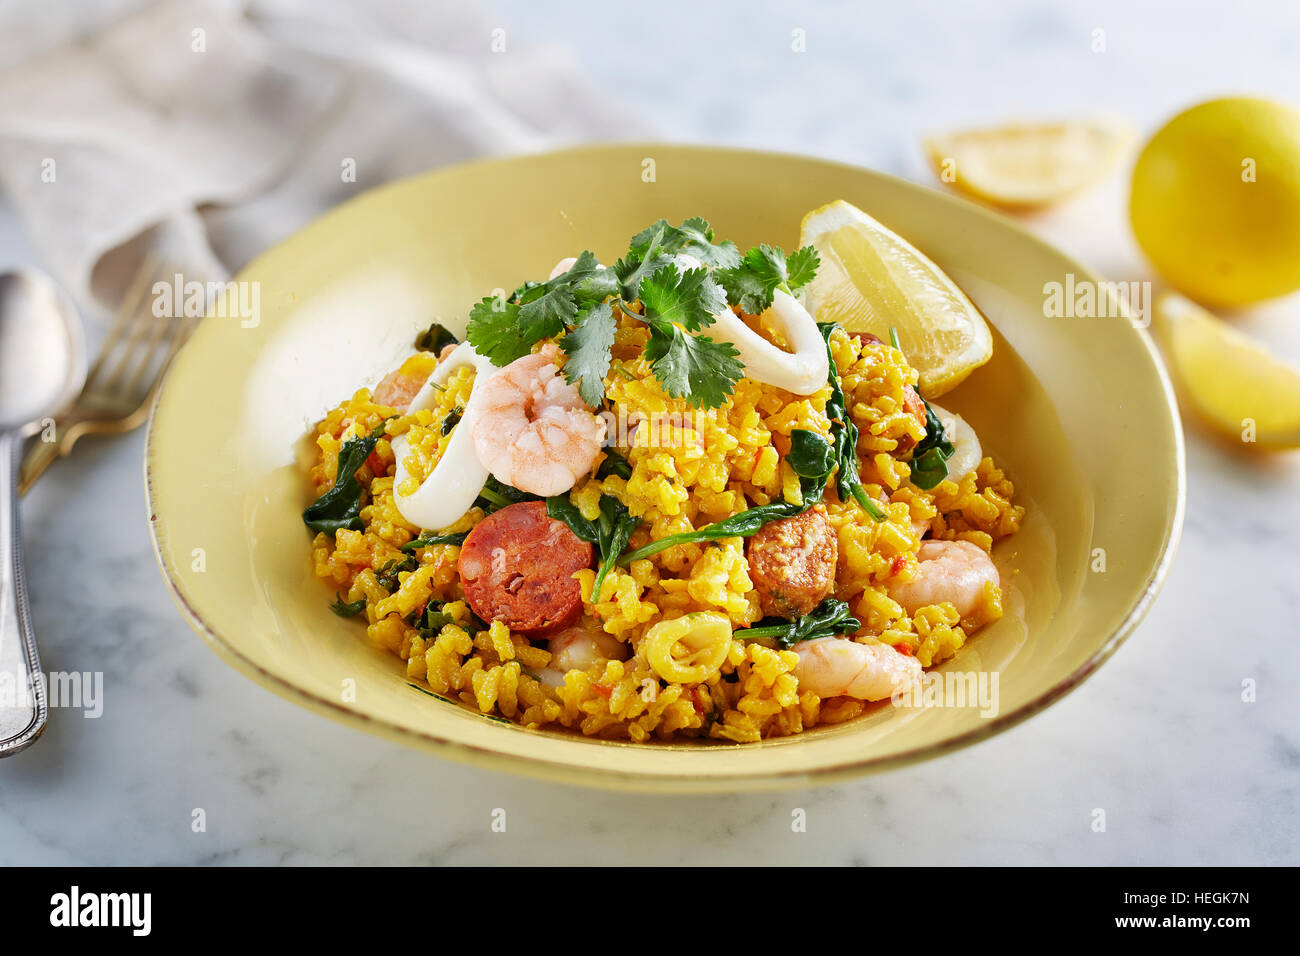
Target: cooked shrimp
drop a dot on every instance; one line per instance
(953, 571)
(837, 666)
(534, 432)
(399, 386)
(579, 647)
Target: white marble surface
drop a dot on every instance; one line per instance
(1159, 738)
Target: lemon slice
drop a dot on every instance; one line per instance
(1026, 166)
(870, 280)
(1234, 384)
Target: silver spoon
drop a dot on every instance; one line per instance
(42, 367)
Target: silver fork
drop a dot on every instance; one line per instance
(121, 384)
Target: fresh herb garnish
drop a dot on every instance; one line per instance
(694, 367)
(689, 298)
(506, 329)
(583, 304)
(693, 237)
(930, 457)
(610, 532)
(752, 283)
(434, 339)
(347, 608)
(829, 618)
(844, 437)
(588, 349)
(429, 540)
(497, 332)
(522, 290)
(340, 507)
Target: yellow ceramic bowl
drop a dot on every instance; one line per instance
(1077, 410)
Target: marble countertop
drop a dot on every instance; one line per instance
(1159, 738)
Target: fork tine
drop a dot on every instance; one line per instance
(166, 328)
(178, 331)
(137, 334)
(126, 310)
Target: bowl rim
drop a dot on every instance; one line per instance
(595, 775)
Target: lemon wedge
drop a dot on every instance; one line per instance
(870, 280)
(1026, 166)
(1228, 379)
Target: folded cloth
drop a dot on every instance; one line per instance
(205, 131)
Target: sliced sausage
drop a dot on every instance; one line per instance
(792, 563)
(517, 567)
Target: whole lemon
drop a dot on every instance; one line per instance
(1215, 201)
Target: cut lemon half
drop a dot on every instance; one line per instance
(870, 280)
(1025, 166)
(1233, 383)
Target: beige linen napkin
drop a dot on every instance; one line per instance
(209, 130)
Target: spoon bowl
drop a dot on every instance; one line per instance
(42, 353)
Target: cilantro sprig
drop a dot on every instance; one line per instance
(694, 367)
(752, 283)
(588, 348)
(693, 237)
(582, 306)
(505, 329)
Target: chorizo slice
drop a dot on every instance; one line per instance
(792, 563)
(517, 566)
